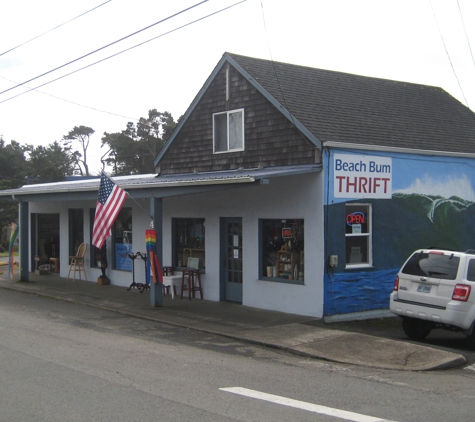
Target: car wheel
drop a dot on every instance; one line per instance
(416, 329)
(471, 340)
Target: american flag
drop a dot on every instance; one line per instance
(109, 203)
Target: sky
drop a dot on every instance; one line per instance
(429, 42)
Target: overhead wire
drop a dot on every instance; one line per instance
(448, 55)
(106, 46)
(56, 27)
(466, 35)
(127, 49)
(278, 80)
(72, 102)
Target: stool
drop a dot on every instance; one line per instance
(191, 274)
(54, 262)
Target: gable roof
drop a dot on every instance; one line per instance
(336, 108)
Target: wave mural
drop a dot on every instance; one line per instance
(455, 192)
(427, 213)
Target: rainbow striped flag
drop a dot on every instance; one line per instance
(150, 240)
(152, 260)
(11, 248)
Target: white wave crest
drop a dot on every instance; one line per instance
(447, 188)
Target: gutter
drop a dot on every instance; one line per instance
(347, 145)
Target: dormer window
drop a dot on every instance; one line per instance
(228, 131)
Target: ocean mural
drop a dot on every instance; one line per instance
(432, 204)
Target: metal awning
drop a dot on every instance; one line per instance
(152, 185)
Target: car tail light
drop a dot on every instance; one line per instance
(461, 292)
(396, 284)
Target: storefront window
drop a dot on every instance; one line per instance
(122, 240)
(358, 235)
(188, 241)
(76, 230)
(282, 250)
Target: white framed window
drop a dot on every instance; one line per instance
(358, 235)
(228, 131)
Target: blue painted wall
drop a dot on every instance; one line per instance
(432, 204)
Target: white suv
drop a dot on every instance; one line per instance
(433, 289)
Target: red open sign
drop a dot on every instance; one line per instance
(355, 218)
(286, 232)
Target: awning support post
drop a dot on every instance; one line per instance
(156, 211)
(24, 229)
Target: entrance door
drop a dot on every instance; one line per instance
(231, 259)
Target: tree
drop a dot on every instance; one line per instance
(81, 135)
(12, 165)
(51, 163)
(12, 175)
(133, 150)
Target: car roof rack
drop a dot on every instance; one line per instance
(443, 249)
(470, 251)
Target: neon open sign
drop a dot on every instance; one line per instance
(356, 217)
(286, 232)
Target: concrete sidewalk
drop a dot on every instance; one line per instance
(296, 334)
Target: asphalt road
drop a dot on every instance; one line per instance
(65, 362)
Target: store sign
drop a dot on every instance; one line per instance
(286, 232)
(362, 176)
(356, 217)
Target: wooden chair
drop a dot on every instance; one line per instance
(77, 262)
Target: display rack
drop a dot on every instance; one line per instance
(286, 264)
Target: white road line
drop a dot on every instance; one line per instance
(470, 368)
(284, 401)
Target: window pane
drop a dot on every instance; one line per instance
(76, 230)
(357, 219)
(122, 240)
(434, 265)
(358, 234)
(235, 131)
(189, 241)
(282, 254)
(220, 132)
(357, 250)
(471, 270)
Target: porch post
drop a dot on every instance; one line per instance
(24, 230)
(156, 291)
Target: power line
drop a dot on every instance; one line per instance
(52, 29)
(466, 36)
(123, 51)
(106, 46)
(448, 55)
(72, 102)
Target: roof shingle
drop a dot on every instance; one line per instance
(347, 108)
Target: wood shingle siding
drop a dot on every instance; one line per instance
(270, 138)
(292, 112)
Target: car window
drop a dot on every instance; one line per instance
(471, 270)
(433, 265)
